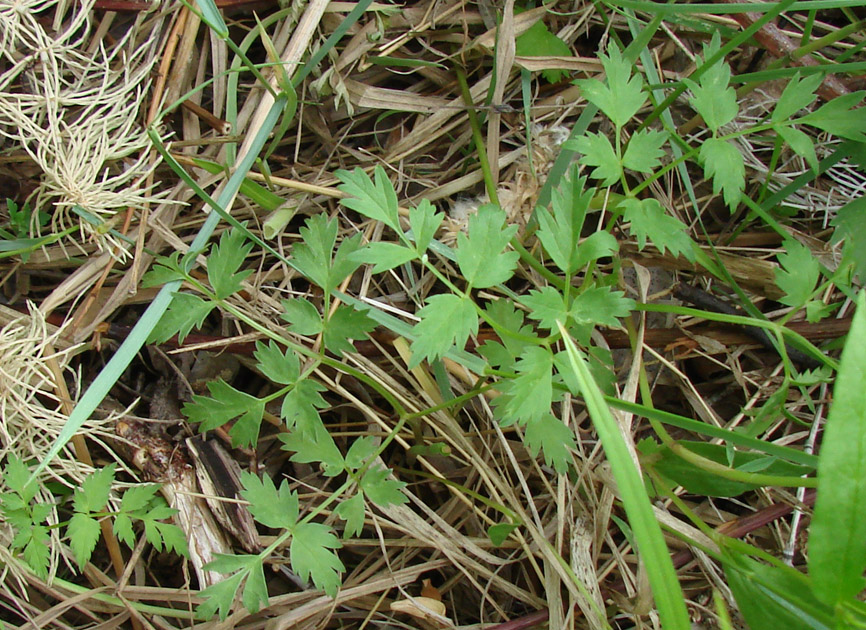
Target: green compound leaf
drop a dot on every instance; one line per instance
(800, 143)
(185, 312)
(724, 163)
(352, 511)
(93, 493)
(379, 488)
(164, 271)
(302, 315)
(270, 506)
(839, 117)
(837, 555)
(278, 367)
(560, 232)
(314, 444)
(601, 306)
(227, 403)
(530, 393)
(218, 598)
(313, 256)
(798, 273)
(713, 98)
(224, 261)
(424, 221)
(83, 532)
(506, 315)
(385, 256)
(551, 437)
(138, 497)
(480, 255)
(36, 551)
(546, 305)
(644, 151)
(311, 556)
(623, 95)
(16, 476)
(446, 321)
(361, 450)
(164, 535)
(344, 325)
(301, 404)
(649, 220)
(377, 201)
(596, 150)
(797, 95)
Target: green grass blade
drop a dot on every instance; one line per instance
(837, 553)
(702, 428)
(648, 536)
(133, 343)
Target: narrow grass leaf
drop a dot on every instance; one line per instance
(650, 542)
(837, 553)
(773, 598)
(135, 340)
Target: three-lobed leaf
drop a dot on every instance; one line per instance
(344, 325)
(375, 200)
(311, 556)
(316, 258)
(186, 311)
(83, 531)
(601, 306)
(546, 305)
(723, 162)
(224, 261)
(302, 403)
(797, 274)
(713, 98)
(480, 254)
(218, 598)
(424, 221)
(839, 117)
(303, 317)
(271, 506)
(644, 150)
(530, 393)
(559, 232)
(551, 437)
(385, 256)
(649, 221)
(314, 444)
(797, 95)
(446, 321)
(381, 489)
(622, 95)
(93, 493)
(278, 366)
(596, 150)
(226, 403)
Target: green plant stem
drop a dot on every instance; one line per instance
(773, 327)
(477, 138)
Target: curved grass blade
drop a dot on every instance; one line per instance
(133, 343)
(647, 533)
